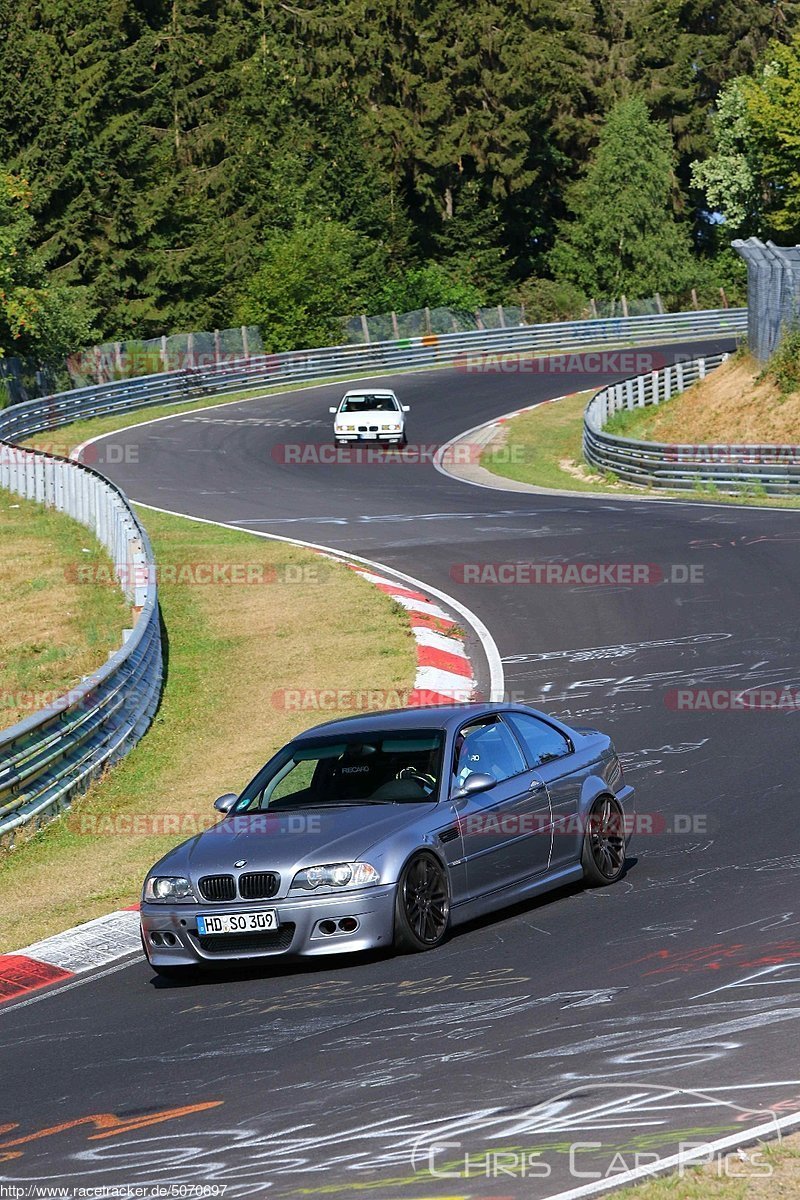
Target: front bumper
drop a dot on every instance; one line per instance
(370, 437)
(298, 932)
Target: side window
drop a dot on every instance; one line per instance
(488, 748)
(542, 742)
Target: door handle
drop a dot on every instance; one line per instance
(536, 785)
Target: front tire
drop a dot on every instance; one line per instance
(422, 904)
(603, 855)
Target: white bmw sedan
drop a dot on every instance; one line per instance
(370, 415)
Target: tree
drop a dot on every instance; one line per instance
(729, 176)
(37, 318)
(308, 278)
(624, 239)
(753, 176)
(773, 108)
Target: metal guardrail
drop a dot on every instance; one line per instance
(771, 468)
(55, 753)
(271, 370)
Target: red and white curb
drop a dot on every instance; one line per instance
(444, 672)
(65, 955)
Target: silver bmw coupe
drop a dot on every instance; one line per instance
(387, 829)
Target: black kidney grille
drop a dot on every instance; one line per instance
(217, 887)
(258, 885)
(232, 945)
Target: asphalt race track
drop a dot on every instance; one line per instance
(661, 1011)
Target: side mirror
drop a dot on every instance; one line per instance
(225, 803)
(333, 410)
(406, 407)
(477, 782)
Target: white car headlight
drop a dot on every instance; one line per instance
(334, 877)
(168, 888)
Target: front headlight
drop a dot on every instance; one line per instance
(168, 888)
(334, 877)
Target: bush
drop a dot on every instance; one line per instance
(551, 300)
(784, 366)
(428, 286)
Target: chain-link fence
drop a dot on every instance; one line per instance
(26, 379)
(129, 360)
(428, 322)
(422, 322)
(773, 293)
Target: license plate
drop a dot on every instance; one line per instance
(252, 922)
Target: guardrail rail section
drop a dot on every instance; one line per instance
(54, 754)
(772, 469)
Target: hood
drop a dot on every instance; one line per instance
(287, 842)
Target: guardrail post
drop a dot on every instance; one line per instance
(701, 368)
(654, 397)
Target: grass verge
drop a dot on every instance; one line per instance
(542, 447)
(55, 628)
(736, 403)
(303, 624)
(771, 1171)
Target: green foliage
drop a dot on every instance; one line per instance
(37, 317)
(784, 365)
(773, 105)
(308, 277)
(551, 300)
(431, 286)
(625, 240)
(728, 177)
(753, 176)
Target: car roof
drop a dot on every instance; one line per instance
(368, 392)
(428, 716)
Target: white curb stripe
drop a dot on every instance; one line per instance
(423, 606)
(433, 679)
(94, 944)
(438, 641)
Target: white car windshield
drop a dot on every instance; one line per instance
(359, 404)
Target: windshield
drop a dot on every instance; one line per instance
(358, 404)
(382, 768)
